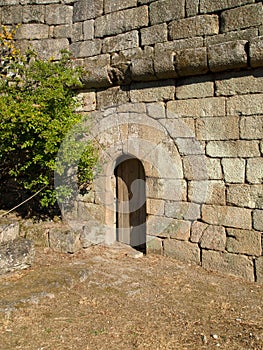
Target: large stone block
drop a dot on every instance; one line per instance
(246, 195)
(111, 97)
(259, 269)
(244, 242)
(234, 170)
(246, 34)
(46, 48)
(152, 92)
(121, 21)
(64, 240)
(227, 216)
(189, 146)
(214, 169)
(164, 63)
(166, 189)
(217, 128)
(236, 83)
(142, 69)
(34, 13)
(255, 170)
(242, 17)
(166, 10)
(121, 42)
(178, 229)
(97, 71)
(86, 48)
(192, 7)
(213, 6)
(191, 61)
(182, 210)
(214, 238)
(258, 220)
(237, 265)
(154, 245)
(183, 251)
(232, 149)
(15, 255)
(179, 127)
(154, 34)
(194, 26)
(245, 105)
(117, 5)
(9, 231)
(181, 44)
(256, 52)
(58, 14)
(11, 14)
(251, 127)
(209, 192)
(88, 29)
(63, 31)
(84, 10)
(229, 55)
(32, 31)
(197, 87)
(155, 206)
(195, 167)
(203, 107)
(197, 231)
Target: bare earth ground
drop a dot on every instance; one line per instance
(102, 298)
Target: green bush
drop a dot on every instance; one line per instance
(37, 110)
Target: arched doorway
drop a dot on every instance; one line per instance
(131, 204)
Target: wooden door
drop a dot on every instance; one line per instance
(131, 203)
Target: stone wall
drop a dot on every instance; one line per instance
(179, 85)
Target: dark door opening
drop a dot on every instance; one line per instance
(131, 204)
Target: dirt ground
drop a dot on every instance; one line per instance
(102, 298)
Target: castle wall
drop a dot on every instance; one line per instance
(177, 84)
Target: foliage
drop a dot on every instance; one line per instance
(37, 110)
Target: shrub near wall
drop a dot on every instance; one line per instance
(200, 60)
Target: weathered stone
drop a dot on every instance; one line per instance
(190, 146)
(36, 232)
(121, 42)
(88, 29)
(34, 13)
(227, 216)
(234, 170)
(142, 69)
(11, 14)
(92, 234)
(177, 229)
(88, 101)
(32, 31)
(197, 231)
(181, 44)
(213, 237)
(121, 21)
(194, 167)
(255, 170)
(47, 48)
(214, 169)
(164, 64)
(84, 10)
(77, 32)
(242, 17)
(231, 149)
(182, 251)
(154, 34)
(217, 128)
(58, 14)
(8, 231)
(156, 225)
(203, 107)
(245, 105)
(117, 5)
(227, 55)
(236, 83)
(197, 87)
(64, 240)
(191, 61)
(182, 210)
(213, 6)
(97, 71)
(154, 245)
(15, 255)
(258, 220)
(155, 206)
(251, 127)
(192, 7)
(179, 127)
(209, 192)
(62, 31)
(244, 195)
(243, 242)
(194, 26)
(86, 48)
(256, 52)
(156, 110)
(166, 10)
(232, 264)
(259, 269)
(152, 92)
(246, 34)
(112, 96)
(169, 189)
